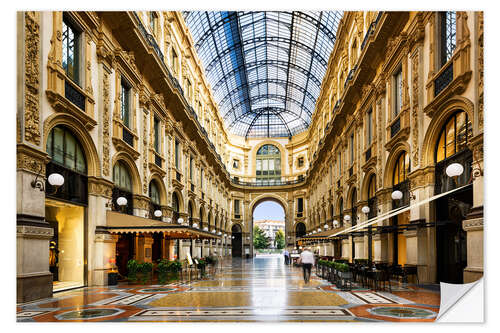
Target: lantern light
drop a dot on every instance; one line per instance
(454, 170)
(121, 201)
(157, 213)
(365, 209)
(347, 217)
(56, 179)
(397, 195)
(180, 220)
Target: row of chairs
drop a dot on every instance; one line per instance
(190, 273)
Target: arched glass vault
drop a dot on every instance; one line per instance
(265, 68)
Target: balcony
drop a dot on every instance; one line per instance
(66, 96)
(443, 80)
(270, 182)
(156, 162)
(399, 129)
(395, 127)
(124, 139)
(176, 178)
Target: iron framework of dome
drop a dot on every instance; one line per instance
(265, 68)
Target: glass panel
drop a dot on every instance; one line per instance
(154, 193)
(264, 64)
(462, 131)
(70, 155)
(440, 154)
(58, 150)
(450, 138)
(70, 51)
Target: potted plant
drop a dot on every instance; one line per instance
(132, 269)
(174, 268)
(145, 270)
(201, 266)
(162, 268)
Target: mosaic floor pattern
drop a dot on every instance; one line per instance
(262, 289)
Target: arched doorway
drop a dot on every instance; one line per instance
(451, 239)
(65, 208)
(300, 231)
(236, 241)
(268, 226)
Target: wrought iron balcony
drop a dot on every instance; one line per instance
(270, 182)
(128, 137)
(73, 95)
(443, 80)
(368, 154)
(395, 127)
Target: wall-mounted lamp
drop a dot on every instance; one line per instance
(195, 225)
(454, 171)
(168, 220)
(55, 180)
(205, 228)
(157, 213)
(325, 226)
(365, 210)
(347, 218)
(213, 231)
(335, 223)
(180, 220)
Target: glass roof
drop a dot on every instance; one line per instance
(265, 68)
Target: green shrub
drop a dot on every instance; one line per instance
(162, 268)
(132, 269)
(145, 269)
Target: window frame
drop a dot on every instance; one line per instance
(76, 77)
(397, 91)
(125, 102)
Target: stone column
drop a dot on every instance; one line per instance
(206, 248)
(346, 249)
(359, 247)
(380, 248)
(185, 246)
(144, 250)
(34, 280)
(104, 256)
(473, 225)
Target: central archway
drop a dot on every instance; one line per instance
(271, 221)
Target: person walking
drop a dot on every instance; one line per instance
(307, 261)
(286, 254)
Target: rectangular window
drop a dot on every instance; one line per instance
(177, 154)
(125, 103)
(398, 91)
(236, 207)
(191, 169)
(340, 163)
(157, 134)
(369, 128)
(236, 164)
(173, 60)
(448, 36)
(201, 179)
(70, 51)
(301, 162)
(189, 89)
(300, 205)
(351, 144)
(153, 22)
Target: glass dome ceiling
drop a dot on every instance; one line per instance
(265, 68)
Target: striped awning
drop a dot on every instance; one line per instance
(118, 223)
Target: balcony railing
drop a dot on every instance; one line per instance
(368, 154)
(270, 182)
(152, 42)
(73, 95)
(128, 137)
(443, 80)
(158, 160)
(395, 127)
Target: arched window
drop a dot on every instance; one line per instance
(454, 136)
(372, 199)
(68, 159)
(201, 218)
(122, 188)
(354, 209)
(154, 195)
(300, 230)
(190, 213)
(175, 207)
(268, 164)
(341, 212)
(65, 150)
(121, 176)
(208, 222)
(401, 169)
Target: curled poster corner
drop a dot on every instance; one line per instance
(451, 296)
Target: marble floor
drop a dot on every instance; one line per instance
(255, 290)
